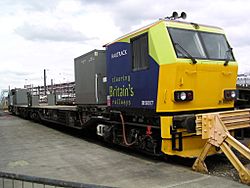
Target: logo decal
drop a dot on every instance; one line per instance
(119, 54)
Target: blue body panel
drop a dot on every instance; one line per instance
(128, 88)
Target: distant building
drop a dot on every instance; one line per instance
(243, 80)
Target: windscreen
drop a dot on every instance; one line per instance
(200, 45)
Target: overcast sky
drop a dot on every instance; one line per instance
(49, 34)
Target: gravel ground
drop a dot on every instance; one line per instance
(219, 165)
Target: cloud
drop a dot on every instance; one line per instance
(13, 78)
(28, 5)
(10, 73)
(129, 13)
(61, 33)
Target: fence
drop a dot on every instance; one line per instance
(11, 180)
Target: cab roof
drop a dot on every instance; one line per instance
(174, 24)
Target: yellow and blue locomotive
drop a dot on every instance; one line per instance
(167, 72)
(167, 88)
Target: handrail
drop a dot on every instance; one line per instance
(47, 181)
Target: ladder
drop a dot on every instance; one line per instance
(215, 128)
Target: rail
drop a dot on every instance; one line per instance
(12, 180)
(215, 128)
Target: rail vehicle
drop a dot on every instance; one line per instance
(149, 89)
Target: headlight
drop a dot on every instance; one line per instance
(230, 94)
(233, 94)
(181, 96)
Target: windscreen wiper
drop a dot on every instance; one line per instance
(229, 51)
(186, 53)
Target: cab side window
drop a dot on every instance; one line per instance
(140, 58)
